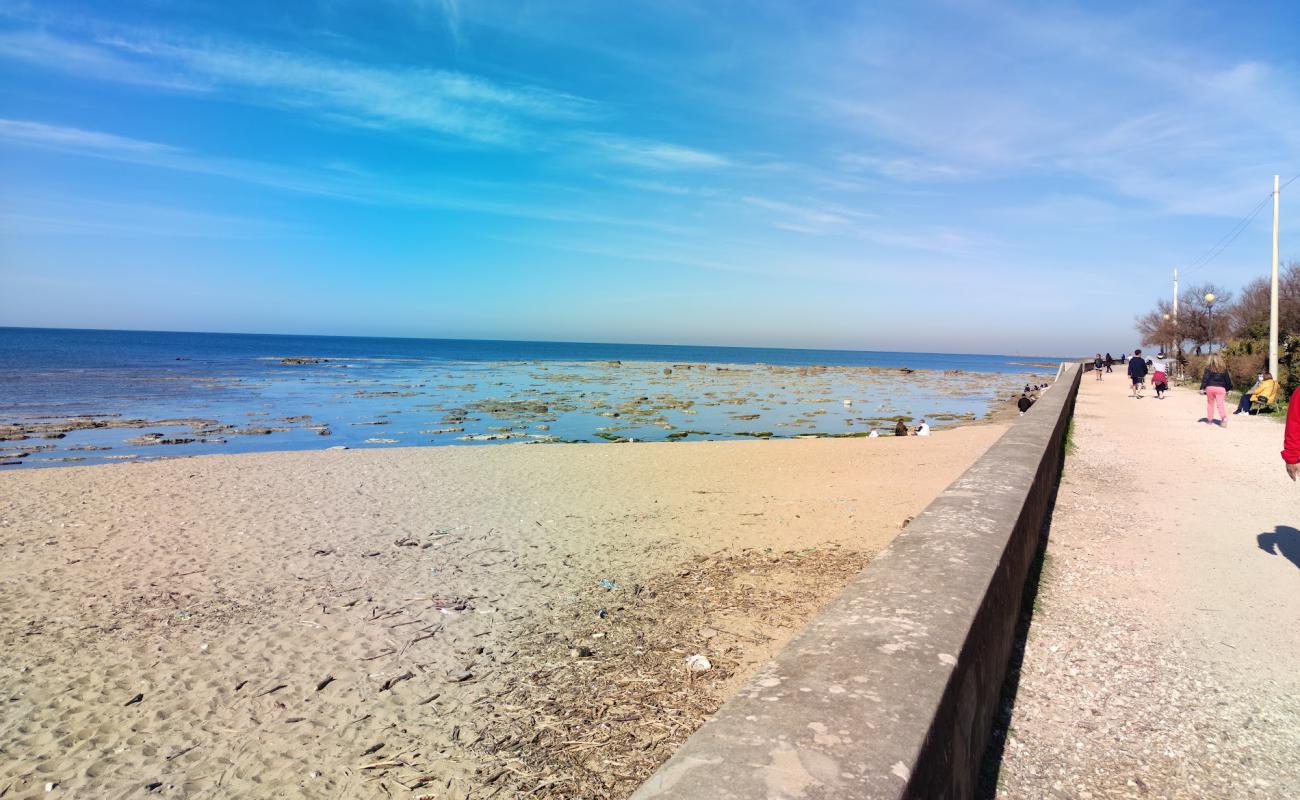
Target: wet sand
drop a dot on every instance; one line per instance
(419, 622)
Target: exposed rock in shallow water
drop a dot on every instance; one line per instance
(299, 360)
(21, 430)
(511, 408)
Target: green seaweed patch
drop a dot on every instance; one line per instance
(675, 435)
(756, 434)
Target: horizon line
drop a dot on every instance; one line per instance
(531, 341)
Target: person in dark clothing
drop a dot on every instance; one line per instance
(1024, 403)
(1109, 362)
(1097, 365)
(1216, 382)
(1137, 372)
(901, 428)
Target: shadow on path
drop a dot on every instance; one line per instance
(1283, 541)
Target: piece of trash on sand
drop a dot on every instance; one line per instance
(698, 663)
(608, 585)
(581, 651)
(602, 613)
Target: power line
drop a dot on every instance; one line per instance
(1231, 236)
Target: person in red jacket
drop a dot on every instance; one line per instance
(1291, 437)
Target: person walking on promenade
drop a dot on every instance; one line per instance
(1216, 382)
(1137, 372)
(1264, 391)
(1160, 380)
(1109, 361)
(1097, 365)
(1291, 437)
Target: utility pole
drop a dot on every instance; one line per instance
(1178, 345)
(1272, 302)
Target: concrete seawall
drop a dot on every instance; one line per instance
(891, 690)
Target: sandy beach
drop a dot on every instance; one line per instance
(419, 622)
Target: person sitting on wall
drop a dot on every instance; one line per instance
(1024, 403)
(1263, 393)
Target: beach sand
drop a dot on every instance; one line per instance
(419, 622)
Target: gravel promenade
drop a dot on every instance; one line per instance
(1163, 655)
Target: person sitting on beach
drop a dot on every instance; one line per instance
(922, 429)
(901, 428)
(1024, 403)
(1264, 391)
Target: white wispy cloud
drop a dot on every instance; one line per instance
(349, 184)
(78, 215)
(901, 168)
(47, 51)
(446, 102)
(60, 137)
(1108, 98)
(455, 105)
(808, 217)
(654, 155)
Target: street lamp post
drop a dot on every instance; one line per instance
(1168, 351)
(1209, 304)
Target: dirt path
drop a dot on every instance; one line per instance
(1163, 658)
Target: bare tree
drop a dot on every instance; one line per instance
(1194, 314)
(1158, 328)
(1250, 314)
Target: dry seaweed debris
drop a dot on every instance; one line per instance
(595, 721)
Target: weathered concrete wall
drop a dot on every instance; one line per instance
(890, 692)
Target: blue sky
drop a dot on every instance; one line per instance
(965, 176)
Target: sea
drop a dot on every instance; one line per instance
(230, 393)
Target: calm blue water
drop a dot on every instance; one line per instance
(411, 387)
